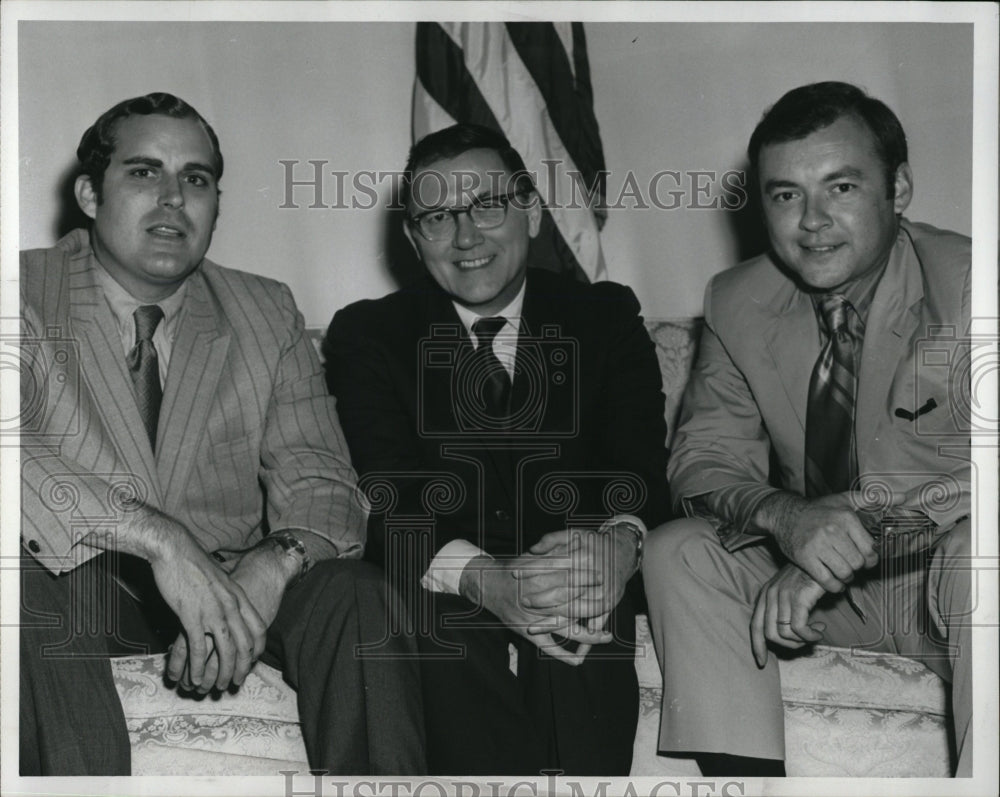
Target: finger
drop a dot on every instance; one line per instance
(211, 676)
(785, 623)
(225, 648)
(822, 575)
(177, 661)
(571, 629)
(550, 542)
(197, 653)
(551, 598)
(864, 544)
(757, 642)
(572, 657)
(804, 631)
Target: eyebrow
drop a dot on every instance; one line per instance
(840, 174)
(144, 160)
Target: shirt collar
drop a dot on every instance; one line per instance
(123, 304)
(861, 292)
(512, 313)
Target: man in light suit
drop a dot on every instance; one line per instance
(489, 408)
(184, 476)
(821, 456)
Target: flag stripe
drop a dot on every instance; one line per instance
(472, 72)
(441, 70)
(568, 99)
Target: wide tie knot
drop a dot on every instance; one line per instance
(487, 329)
(834, 309)
(147, 318)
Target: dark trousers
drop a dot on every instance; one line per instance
(357, 684)
(482, 718)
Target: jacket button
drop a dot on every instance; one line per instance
(501, 514)
(33, 546)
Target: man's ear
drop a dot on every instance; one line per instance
(86, 197)
(902, 188)
(534, 215)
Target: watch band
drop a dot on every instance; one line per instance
(291, 545)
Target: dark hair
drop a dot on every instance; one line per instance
(805, 110)
(97, 144)
(453, 141)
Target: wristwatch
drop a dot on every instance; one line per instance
(292, 545)
(634, 525)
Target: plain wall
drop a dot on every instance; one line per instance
(682, 97)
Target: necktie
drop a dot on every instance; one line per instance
(492, 382)
(145, 369)
(831, 458)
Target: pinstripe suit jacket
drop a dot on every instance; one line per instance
(248, 438)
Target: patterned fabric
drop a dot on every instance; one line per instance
(846, 713)
(831, 459)
(252, 731)
(144, 368)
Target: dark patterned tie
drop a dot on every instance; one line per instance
(489, 371)
(831, 458)
(145, 368)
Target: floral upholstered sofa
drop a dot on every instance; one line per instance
(847, 713)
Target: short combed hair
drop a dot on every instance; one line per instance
(98, 143)
(453, 141)
(805, 110)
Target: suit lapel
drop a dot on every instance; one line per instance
(102, 363)
(196, 362)
(892, 319)
(793, 344)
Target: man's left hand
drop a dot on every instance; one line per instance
(781, 614)
(578, 574)
(264, 573)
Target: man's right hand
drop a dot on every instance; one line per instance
(491, 583)
(207, 602)
(823, 536)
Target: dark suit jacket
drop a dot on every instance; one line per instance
(590, 436)
(248, 435)
(747, 397)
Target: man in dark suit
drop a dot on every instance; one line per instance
(185, 478)
(825, 430)
(507, 424)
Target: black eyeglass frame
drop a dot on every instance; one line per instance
(479, 202)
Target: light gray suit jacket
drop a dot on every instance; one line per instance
(248, 437)
(747, 397)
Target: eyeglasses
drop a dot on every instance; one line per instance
(486, 213)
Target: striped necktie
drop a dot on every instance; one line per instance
(831, 457)
(144, 368)
(489, 371)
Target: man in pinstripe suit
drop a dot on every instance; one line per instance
(185, 479)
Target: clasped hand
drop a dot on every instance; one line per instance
(565, 587)
(827, 545)
(224, 615)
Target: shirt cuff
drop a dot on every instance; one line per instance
(632, 520)
(445, 570)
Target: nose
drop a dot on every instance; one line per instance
(467, 235)
(171, 193)
(814, 215)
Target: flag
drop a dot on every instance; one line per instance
(530, 81)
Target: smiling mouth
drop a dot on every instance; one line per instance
(472, 265)
(166, 231)
(821, 250)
